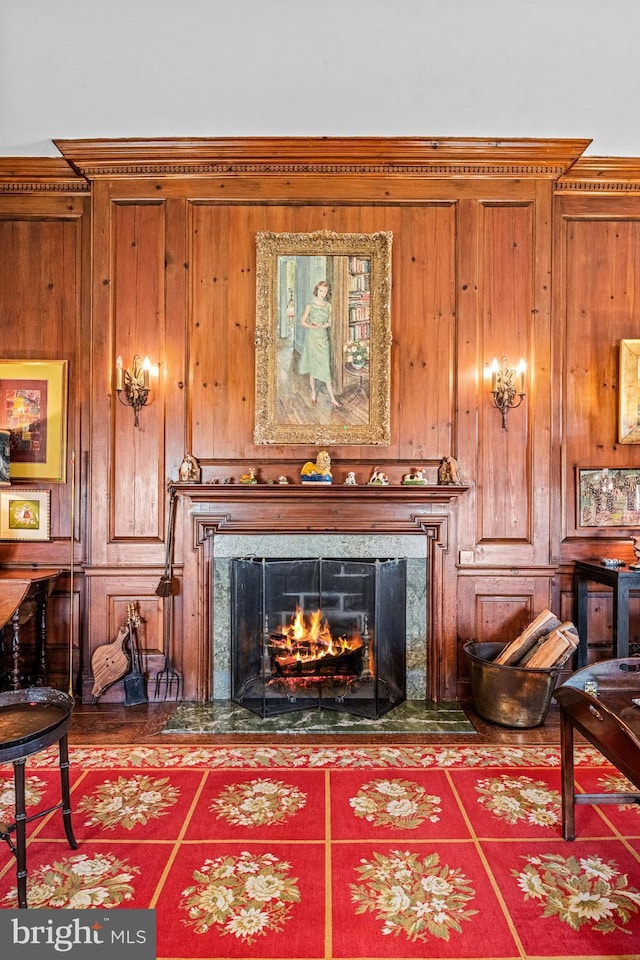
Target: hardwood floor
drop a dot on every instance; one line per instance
(106, 723)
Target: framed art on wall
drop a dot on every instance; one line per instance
(33, 408)
(608, 498)
(323, 338)
(629, 392)
(24, 514)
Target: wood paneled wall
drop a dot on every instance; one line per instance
(505, 248)
(45, 243)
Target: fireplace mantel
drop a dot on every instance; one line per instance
(211, 510)
(295, 508)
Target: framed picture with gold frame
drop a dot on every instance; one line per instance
(323, 338)
(33, 408)
(24, 514)
(629, 392)
(608, 497)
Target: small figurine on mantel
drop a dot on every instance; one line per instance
(636, 549)
(415, 478)
(318, 472)
(378, 478)
(250, 477)
(189, 471)
(350, 479)
(448, 472)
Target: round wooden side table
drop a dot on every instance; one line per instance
(30, 721)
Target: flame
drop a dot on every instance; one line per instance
(309, 638)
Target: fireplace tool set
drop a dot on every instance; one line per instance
(111, 662)
(168, 680)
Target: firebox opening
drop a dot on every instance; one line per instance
(318, 633)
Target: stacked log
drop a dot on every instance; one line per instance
(545, 642)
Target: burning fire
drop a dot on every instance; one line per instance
(308, 638)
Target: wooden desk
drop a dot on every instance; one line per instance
(34, 603)
(609, 720)
(622, 581)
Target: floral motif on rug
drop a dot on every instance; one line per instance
(401, 804)
(520, 798)
(580, 891)
(258, 802)
(79, 881)
(128, 801)
(257, 756)
(34, 789)
(412, 895)
(246, 896)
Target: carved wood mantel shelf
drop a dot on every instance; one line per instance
(209, 510)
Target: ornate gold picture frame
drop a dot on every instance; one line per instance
(323, 338)
(629, 392)
(33, 408)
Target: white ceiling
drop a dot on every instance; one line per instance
(425, 68)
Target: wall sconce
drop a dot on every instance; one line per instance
(134, 383)
(507, 387)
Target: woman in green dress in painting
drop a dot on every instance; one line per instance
(316, 355)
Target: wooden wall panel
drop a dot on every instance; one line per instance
(507, 285)
(138, 238)
(44, 297)
(598, 306)
(222, 331)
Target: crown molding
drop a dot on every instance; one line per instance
(388, 156)
(39, 174)
(602, 175)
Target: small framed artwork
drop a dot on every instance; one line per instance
(609, 498)
(323, 338)
(629, 392)
(33, 408)
(25, 514)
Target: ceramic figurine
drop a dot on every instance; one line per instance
(189, 471)
(414, 479)
(282, 480)
(250, 477)
(350, 479)
(318, 472)
(636, 549)
(378, 478)
(448, 472)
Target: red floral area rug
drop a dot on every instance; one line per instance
(338, 853)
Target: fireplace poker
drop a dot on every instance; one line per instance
(168, 678)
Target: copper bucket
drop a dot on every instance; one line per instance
(509, 696)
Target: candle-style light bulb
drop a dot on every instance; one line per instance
(119, 374)
(494, 374)
(146, 366)
(520, 374)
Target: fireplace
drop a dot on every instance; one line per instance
(321, 632)
(217, 522)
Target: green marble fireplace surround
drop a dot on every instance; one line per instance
(349, 546)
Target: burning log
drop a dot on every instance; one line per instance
(308, 648)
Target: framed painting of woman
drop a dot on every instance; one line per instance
(323, 338)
